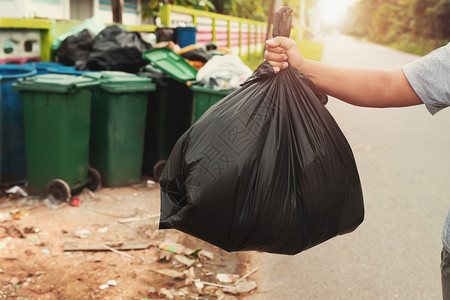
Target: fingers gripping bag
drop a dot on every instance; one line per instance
(266, 168)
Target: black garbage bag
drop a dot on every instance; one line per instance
(266, 168)
(195, 53)
(116, 49)
(74, 50)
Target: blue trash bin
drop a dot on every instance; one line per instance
(12, 133)
(42, 67)
(186, 36)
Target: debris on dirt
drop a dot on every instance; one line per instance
(204, 255)
(5, 216)
(16, 192)
(184, 260)
(227, 278)
(19, 214)
(128, 245)
(82, 233)
(136, 219)
(117, 251)
(171, 273)
(53, 203)
(76, 201)
(163, 264)
(242, 287)
(12, 231)
(167, 293)
(172, 247)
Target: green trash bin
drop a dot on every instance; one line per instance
(204, 98)
(174, 107)
(118, 118)
(56, 113)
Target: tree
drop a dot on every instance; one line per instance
(117, 10)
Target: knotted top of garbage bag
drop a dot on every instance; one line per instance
(282, 22)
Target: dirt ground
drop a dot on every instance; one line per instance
(35, 262)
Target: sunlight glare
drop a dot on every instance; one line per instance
(332, 10)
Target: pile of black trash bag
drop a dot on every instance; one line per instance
(113, 49)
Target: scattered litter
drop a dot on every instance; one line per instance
(5, 217)
(135, 219)
(171, 247)
(227, 278)
(45, 251)
(14, 280)
(31, 229)
(213, 284)
(87, 194)
(82, 233)
(76, 201)
(165, 255)
(13, 231)
(16, 192)
(1, 271)
(19, 214)
(205, 255)
(103, 286)
(184, 260)
(128, 245)
(53, 203)
(149, 184)
(244, 286)
(35, 240)
(199, 285)
(102, 229)
(117, 251)
(247, 275)
(112, 282)
(171, 273)
(166, 293)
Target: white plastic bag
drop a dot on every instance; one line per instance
(223, 72)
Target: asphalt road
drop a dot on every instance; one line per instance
(403, 159)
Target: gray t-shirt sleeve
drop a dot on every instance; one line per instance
(429, 76)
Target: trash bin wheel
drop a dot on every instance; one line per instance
(93, 179)
(59, 189)
(158, 169)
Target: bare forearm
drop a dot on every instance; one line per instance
(368, 88)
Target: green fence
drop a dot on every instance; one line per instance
(243, 37)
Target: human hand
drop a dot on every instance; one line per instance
(282, 51)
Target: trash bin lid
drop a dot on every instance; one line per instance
(122, 82)
(201, 89)
(57, 83)
(43, 65)
(15, 71)
(173, 64)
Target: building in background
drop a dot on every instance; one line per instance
(69, 9)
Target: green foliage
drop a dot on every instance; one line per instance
(255, 10)
(417, 26)
(150, 8)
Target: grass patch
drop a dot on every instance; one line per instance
(311, 50)
(254, 60)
